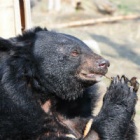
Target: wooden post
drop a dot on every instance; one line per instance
(7, 19)
(15, 16)
(25, 12)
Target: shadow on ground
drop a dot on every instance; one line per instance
(123, 50)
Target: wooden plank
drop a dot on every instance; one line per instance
(22, 15)
(97, 21)
(7, 23)
(17, 17)
(27, 14)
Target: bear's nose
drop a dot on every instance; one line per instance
(102, 63)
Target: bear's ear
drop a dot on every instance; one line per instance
(5, 47)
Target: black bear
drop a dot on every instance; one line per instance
(46, 91)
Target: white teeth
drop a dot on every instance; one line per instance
(90, 75)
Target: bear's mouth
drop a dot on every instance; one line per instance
(90, 76)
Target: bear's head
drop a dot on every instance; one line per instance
(53, 63)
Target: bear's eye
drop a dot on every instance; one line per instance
(75, 53)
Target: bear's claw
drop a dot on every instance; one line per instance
(134, 83)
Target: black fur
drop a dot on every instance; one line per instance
(42, 67)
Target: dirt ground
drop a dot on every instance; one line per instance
(119, 42)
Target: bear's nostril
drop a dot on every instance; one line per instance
(103, 63)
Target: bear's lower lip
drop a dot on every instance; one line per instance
(91, 77)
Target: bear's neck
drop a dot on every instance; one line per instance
(72, 108)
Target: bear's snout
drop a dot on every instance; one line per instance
(103, 63)
(93, 68)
